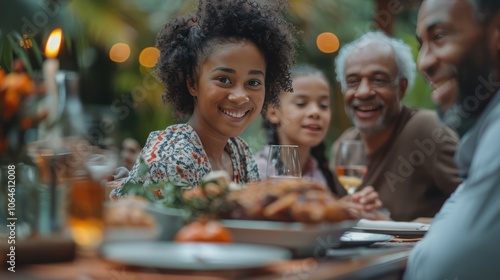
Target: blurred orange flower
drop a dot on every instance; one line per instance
(19, 112)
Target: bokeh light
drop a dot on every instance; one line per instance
(149, 57)
(119, 52)
(327, 42)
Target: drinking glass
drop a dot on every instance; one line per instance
(351, 164)
(98, 154)
(283, 162)
(102, 133)
(86, 197)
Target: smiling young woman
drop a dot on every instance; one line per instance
(220, 65)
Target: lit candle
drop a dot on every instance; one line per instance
(48, 133)
(50, 69)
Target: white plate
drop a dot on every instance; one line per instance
(393, 227)
(395, 232)
(303, 239)
(193, 256)
(351, 238)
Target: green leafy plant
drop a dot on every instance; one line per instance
(206, 199)
(14, 45)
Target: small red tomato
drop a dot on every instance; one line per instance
(204, 231)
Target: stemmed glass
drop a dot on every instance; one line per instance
(283, 162)
(98, 156)
(351, 164)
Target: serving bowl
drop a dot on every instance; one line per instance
(168, 220)
(300, 238)
(132, 221)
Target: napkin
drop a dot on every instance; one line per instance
(391, 225)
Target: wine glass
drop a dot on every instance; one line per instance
(283, 162)
(97, 153)
(351, 164)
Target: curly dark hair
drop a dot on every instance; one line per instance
(185, 42)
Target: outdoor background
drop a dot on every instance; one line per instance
(121, 86)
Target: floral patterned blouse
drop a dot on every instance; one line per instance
(176, 154)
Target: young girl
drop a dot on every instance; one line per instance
(302, 118)
(220, 66)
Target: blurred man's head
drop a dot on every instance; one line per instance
(130, 151)
(459, 55)
(374, 72)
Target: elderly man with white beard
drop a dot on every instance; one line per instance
(410, 152)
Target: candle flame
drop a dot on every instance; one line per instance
(53, 43)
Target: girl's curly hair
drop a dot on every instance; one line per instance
(187, 41)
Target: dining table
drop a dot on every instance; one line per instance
(381, 260)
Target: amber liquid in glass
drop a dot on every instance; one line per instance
(86, 214)
(351, 177)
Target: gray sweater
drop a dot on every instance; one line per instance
(462, 242)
